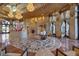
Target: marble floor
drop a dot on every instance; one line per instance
(66, 45)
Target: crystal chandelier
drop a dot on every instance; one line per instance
(30, 7)
(14, 13)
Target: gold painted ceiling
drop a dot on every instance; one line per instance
(40, 9)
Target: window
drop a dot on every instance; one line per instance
(63, 29)
(65, 16)
(5, 32)
(52, 25)
(62, 25)
(76, 23)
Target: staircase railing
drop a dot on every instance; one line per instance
(73, 48)
(5, 49)
(59, 51)
(26, 50)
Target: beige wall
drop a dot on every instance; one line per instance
(14, 38)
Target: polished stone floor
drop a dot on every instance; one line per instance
(66, 44)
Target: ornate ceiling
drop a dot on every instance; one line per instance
(40, 9)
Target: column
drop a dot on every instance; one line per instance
(58, 25)
(72, 22)
(48, 24)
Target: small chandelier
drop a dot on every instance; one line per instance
(30, 7)
(14, 13)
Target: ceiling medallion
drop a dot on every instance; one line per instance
(30, 7)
